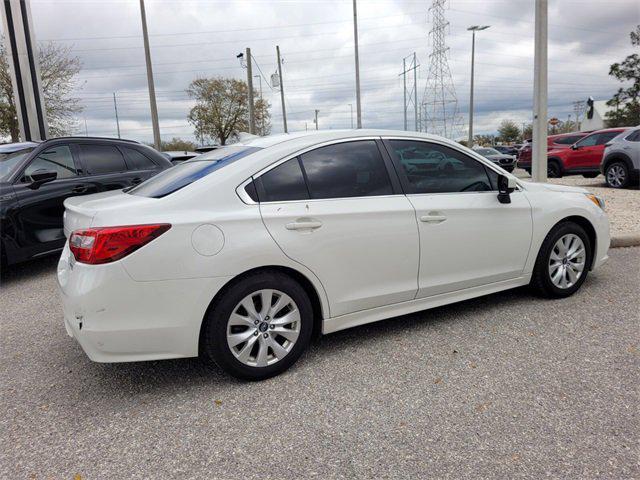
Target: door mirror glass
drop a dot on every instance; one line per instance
(506, 185)
(42, 176)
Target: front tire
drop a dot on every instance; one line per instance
(617, 175)
(260, 326)
(563, 261)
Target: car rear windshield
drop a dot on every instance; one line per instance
(185, 173)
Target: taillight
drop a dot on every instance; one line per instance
(108, 244)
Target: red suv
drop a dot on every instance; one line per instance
(554, 142)
(583, 157)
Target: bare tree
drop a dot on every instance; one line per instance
(58, 70)
(221, 111)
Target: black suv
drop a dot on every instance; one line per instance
(36, 178)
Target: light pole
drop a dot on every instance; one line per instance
(152, 89)
(473, 30)
(355, 42)
(539, 147)
(351, 108)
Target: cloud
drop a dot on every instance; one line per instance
(201, 38)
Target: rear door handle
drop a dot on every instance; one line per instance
(303, 225)
(136, 181)
(80, 189)
(433, 218)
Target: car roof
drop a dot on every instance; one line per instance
(180, 153)
(14, 147)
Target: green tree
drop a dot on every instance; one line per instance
(484, 140)
(58, 70)
(626, 100)
(221, 111)
(177, 144)
(508, 131)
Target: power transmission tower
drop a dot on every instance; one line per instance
(578, 109)
(412, 91)
(440, 103)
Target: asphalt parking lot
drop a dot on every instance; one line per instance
(505, 386)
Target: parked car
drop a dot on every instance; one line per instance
(244, 252)
(621, 160)
(581, 158)
(176, 157)
(554, 142)
(508, 162)
(507, 150)
(37, 178)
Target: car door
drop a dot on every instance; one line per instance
(467, 237)
(588, 151)
(39, 210)
(339, 211)
(105, 167)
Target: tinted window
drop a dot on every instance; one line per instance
(634, 137)
(433, 168)
(353, 169)
(185, 173)
(138, 161)
(57, 159)
(284, 182)
(606, 136)
(101, 159)
(568, 140)
(9, 162)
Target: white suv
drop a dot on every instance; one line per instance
(242, 253)
(621, 160)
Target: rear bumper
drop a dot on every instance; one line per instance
(117, 319)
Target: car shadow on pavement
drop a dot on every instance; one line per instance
(24, 271)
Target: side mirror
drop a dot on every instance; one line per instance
(574, 147)
(506, 185)
(40, 177)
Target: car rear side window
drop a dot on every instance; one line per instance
(351, 169)
(634, 137)
(138, 161)
(568, 140)
(283, 183)
(174, 178)
(604, 137)
(434, 168)
(100, 159)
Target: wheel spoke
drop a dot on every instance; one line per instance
(571, 274)
(278, 350)
(282, 302)
(243, 355)
(235, 339)
(239, 320)
(263, 350)
(266, 296)
(291, 317)
(556, 278)
(248, 305)
(289, 334)
(576, 253)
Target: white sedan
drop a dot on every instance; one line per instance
(245, 252)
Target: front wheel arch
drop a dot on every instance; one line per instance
(589, 229)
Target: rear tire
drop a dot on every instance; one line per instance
(555, 274)
(553, 169)
(266, 345)
(617, 175)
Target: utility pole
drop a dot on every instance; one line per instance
(355, 42)
(539, 153)
(473, 29)
(86, 130)
(316, 120)
(284, 111)
(351, 109)
(252, 113)
(152, 88)
(415, 89)
(259, 77)
(115, 107)
(404, 88)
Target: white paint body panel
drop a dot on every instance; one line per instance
(372, 258)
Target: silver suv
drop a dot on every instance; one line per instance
(621, 159)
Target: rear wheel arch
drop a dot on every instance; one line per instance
(300, 278)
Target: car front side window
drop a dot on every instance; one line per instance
(434, 168)
(58, 159)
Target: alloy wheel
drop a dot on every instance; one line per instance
(567, 261)
(616, 175)
(263, 328)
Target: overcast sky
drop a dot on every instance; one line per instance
(192, 38)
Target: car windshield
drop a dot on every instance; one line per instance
(487, 151)
(10, 161)
(185, 173)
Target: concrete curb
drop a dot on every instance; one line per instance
(625, 240)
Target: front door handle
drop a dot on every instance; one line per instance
(303, 225)
(433, 218)
(136, 181)
(80, 189)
